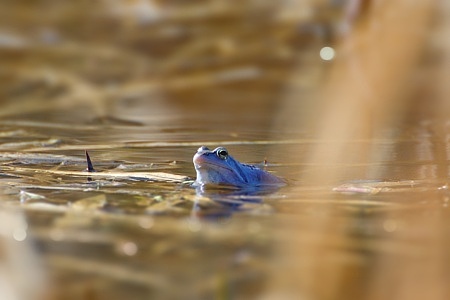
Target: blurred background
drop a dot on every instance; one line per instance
(345, 99)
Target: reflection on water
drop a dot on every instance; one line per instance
(138, 237)
(143, 84)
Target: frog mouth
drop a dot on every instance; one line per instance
(200, 162)
(204, 164)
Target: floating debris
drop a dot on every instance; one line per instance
(39, 158)
(377, 186)
(31, 144)
(27, 196)
(354, 189)
(142, 176)
(90, 203)
(47, 207)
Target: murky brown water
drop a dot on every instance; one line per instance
(142, 85)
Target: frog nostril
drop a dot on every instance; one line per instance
(202, 148)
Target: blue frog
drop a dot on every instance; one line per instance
(217, 167)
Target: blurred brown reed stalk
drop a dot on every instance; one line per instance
(368, 87)
(369, 90)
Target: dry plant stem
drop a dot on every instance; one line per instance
(365, 93)
(424, 275)
(368, 81)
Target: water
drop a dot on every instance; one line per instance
(116, 236)
(141, 86)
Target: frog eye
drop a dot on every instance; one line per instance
(222, 153)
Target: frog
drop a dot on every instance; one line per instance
(218, 167)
